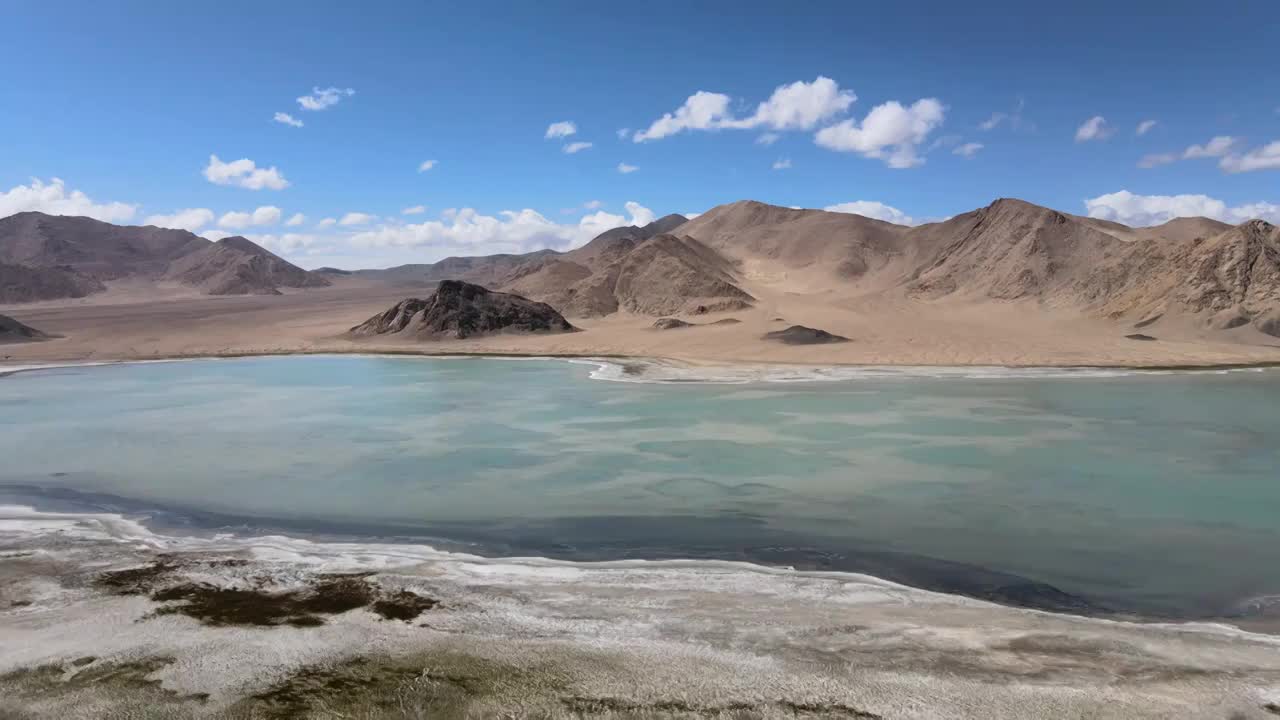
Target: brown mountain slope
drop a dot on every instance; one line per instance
(669, 275)
(460, 310)
(44, 257)
(845, 245)
(237, 266)
(21, 283)
(91, 247)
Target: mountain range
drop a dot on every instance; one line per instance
(46, 257)
(1213, 275)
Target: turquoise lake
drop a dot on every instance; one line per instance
(1147, 493)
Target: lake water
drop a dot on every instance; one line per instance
(1150, 493)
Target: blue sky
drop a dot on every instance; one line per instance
(125, 103)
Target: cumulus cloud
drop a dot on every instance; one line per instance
(244, 173)
(968, 150)
(782, 164)
(626, 169)
(54, 198)
(356, 218)
(286, 119)
(873, 209)
(326, 223)
(1095, 128)
(466, 231)
(426, 165)
(286, 243)
(1157, 159)
(891, 132)
(265, 215)
(322, 99)
(562, 129)
(1143, 210)
(701, 111)
(572, 148)
(993, 122)
(1266, 157)
(1216, 147)
(1144, 127)
(768, 138)
(214, 235)
(189, 219)
(295, 220)
(797, 106)
(414, 210)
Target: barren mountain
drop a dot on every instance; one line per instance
(460, 310)
(45, 257)
(22, 283)
(237, 266)
(12, 331)
(91, 247)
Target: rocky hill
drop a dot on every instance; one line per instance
(12, 331)
(237, 266)
(458, 310)
(45, 257)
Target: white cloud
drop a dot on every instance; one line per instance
(1144, 127)
(1266, 157)
(321, 99)
(572, 148)
(214, 235)
(426, 165)
(625, 168)
(286, 119)
(993, 122)
(53, 198)
(265, 215)
(1143, 210)
(592, 204)
(1095, 128)
(286, 243)
(623, 133)
(327, 222)
(190, 219)
(415, 210)
(797, 106)
(244, 173)
(235, 220)
(356, 218)
(768, 138)
(873, 209)
(562, 129)
(1157, 159)
(466, 231)
(702, 111)
(1216, 147)
(890, 132)
(296, 219)
(782, 163)
(968, 149)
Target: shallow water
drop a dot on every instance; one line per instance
(1131, 492)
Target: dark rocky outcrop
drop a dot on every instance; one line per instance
(460, 310)
(801, 335)
(12, 331)
(670, 324)
(1139, 336)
